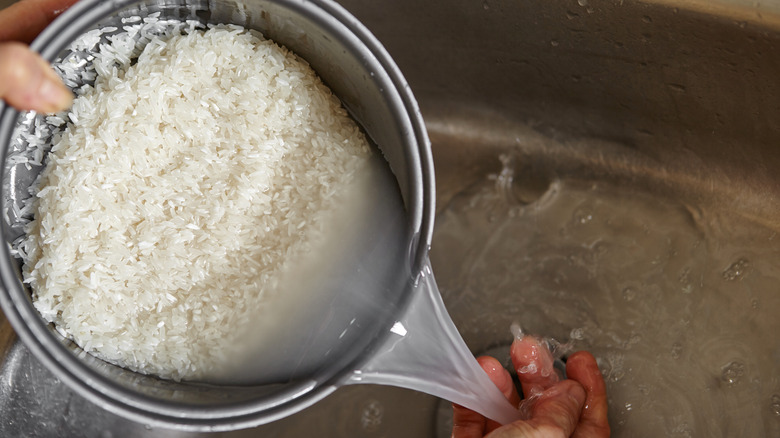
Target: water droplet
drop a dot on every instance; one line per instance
(647, 19)
(615, 367)
(554, 43)
(583, 216)
(683, 430)
(732, 372)
(571, 15)
(372, 415)
(776, 404)
(582, 2)
(528, 369)
(683, 278)
(485, 6)
(736, 270)
(676, 87)
(629, 294)
(676, 350)
(590, 10)
(629, 406)
(577, 334)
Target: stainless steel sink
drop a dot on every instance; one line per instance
(607, 175)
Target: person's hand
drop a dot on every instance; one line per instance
(27, 82)
(575, 407)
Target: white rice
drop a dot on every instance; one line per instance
(181, 186)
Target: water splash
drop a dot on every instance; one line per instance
(371, 416)
(736, 270)
(583, 216)
(677, 350)
(732, 372)
(639, 320)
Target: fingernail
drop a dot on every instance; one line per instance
(54, 96)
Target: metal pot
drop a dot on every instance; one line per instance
(359, 71)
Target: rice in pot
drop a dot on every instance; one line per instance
(181, 187)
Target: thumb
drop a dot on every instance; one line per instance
(27, 82)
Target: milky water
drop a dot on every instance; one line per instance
(678, 304)
(345, 290)
(426, 353)
(358, 270)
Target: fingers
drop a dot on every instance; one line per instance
(467, 423)
(24, 20)
(576, 407)
(555, 413)
(500, 377)
(534, 364)
(559, 408)
(28, 83)
(503, 381)
(582, 367)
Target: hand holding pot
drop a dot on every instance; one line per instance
(26, 80)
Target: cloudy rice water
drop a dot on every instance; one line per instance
(184, 185)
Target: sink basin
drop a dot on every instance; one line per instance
(607, 176)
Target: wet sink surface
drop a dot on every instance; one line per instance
(606, 176)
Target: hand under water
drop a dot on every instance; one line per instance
(575, 407)
(27, 82)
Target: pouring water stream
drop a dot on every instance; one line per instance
(424, 352)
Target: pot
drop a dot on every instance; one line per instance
(378, 279)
